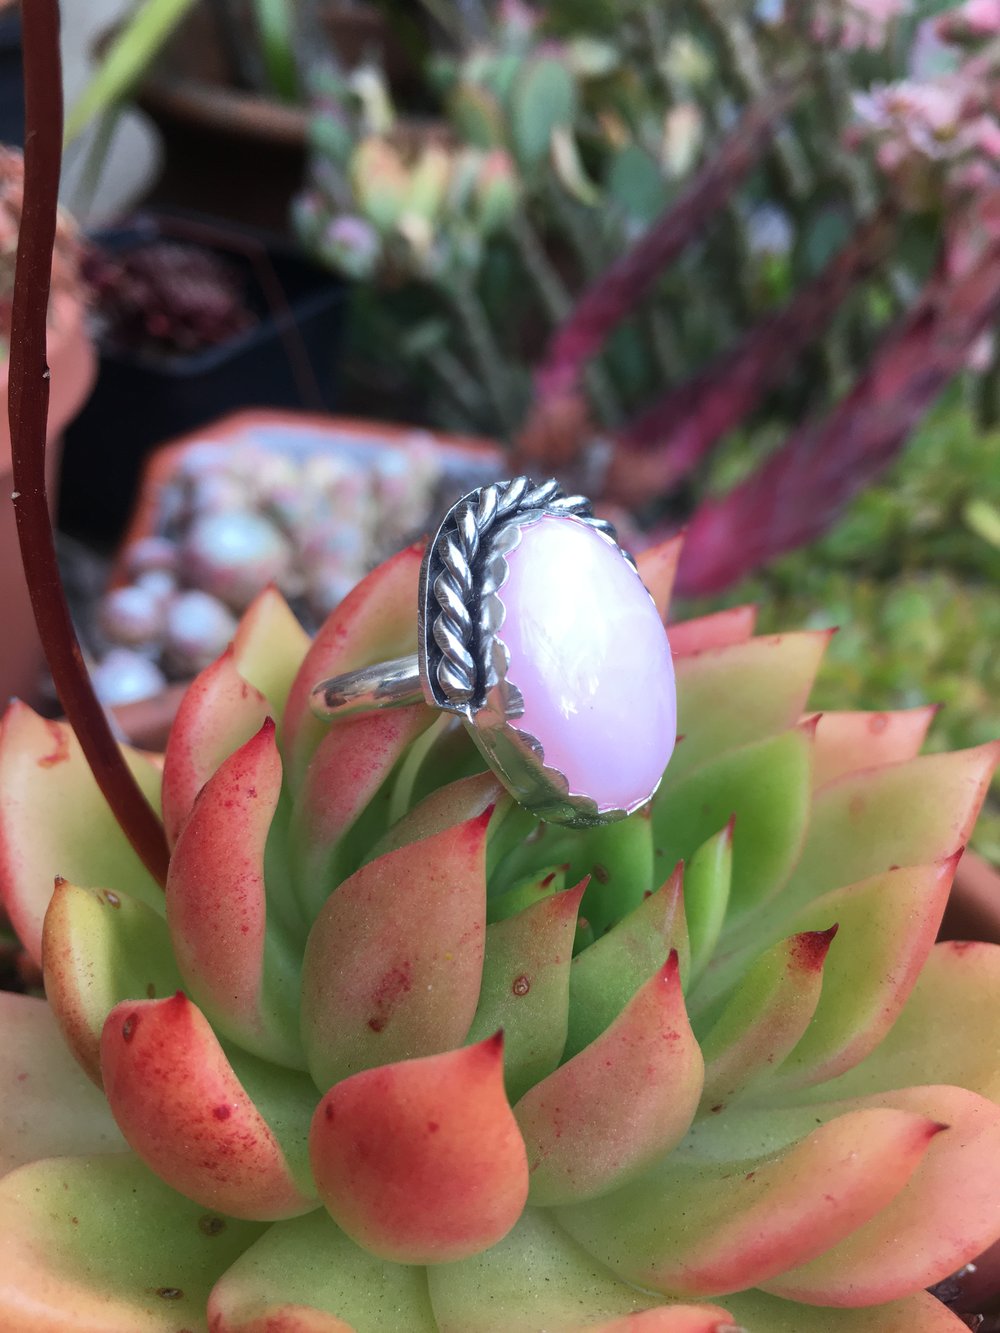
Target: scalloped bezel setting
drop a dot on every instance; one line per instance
(466, 667)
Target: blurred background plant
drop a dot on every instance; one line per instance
(573, 132)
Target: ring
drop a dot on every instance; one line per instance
(536, 630)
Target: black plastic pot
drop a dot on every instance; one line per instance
(287, 360)
(11, 79)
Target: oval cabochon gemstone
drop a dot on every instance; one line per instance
(589, 654)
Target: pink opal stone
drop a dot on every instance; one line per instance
(590, 656)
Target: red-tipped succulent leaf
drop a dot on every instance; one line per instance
(219, 713)
(217, 904)
(183, 1110)
(394, 962)
(422, 1161)
(620, 1104)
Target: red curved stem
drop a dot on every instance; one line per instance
(29, 402)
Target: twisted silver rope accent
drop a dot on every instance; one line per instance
(466, 613)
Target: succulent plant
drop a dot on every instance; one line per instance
(232, 517)
(168, 299)
(388, 1054)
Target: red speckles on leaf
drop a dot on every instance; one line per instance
(422, 1161)
(394, 961)
(182, 1109)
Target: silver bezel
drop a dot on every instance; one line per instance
(463, 659)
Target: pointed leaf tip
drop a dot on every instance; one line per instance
(810, 948)
(422, 1161)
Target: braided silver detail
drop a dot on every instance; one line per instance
(465, 567)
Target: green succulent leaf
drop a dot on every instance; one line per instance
(619, 861)
(734, 624)
(916, 1314)
(849, 742)
(394, 961)
(558, 1285)
(766, 1016)
(219, 713)
(42, 771)
(948, 1030)
(525, 987)
(374, 623)
(657, 567)
(887, 928)
(327, 808)
(450, 805)
(185, 1111)
(50, 1108)
(766, 787)
(101, 947)
(739, 693)
(901, 814)
(581, 1142)
(605, 976)
(534, 888)
(421, 1160)
(729, 1210)
(244, 975)
(957, 1183)
(101, 1243)
(543, 99)
(707, 882)
(309, 1262)
(268, 649)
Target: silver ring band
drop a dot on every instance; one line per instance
(393, 684)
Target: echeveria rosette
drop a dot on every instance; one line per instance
(749, 1090)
